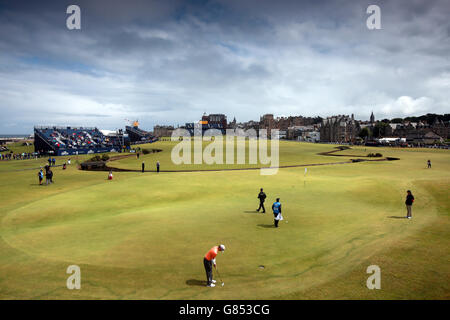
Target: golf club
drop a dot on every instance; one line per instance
(220, 278)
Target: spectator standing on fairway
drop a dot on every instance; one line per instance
(54, 162)
(49, 161)
(157, 166)
(41, 176)
(409, 202)
(110, 175)
(262, 197)
(429, 164)
(208, 261)
(68, 161)
(143, 166)
(47, 167)
(276, 207)
(137, 155)
(49, 176)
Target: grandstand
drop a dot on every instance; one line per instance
(74, 140)
(138, 135)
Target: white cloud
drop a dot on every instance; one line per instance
(441, 81)
(407, 106)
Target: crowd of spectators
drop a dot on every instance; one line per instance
(76, 138)
(19, 156)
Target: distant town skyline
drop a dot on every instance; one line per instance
(165, 63)
(229, 120)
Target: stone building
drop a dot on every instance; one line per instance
(162, 131)
(406, 129)
(441, 129)
(340, 129)
(301, 133)
(268, 122)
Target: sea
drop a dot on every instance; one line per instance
(14, 135)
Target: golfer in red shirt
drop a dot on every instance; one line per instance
(208, 261)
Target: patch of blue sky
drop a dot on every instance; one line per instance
(234, 49)
(59, 64)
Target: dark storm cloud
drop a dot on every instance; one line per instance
(170, 61)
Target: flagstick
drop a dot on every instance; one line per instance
(304, 177)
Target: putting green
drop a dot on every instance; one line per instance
(143, 236)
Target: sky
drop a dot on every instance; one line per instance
(168, 62)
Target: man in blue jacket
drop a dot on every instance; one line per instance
(276, 207)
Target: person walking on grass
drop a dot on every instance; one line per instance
(110, 175)
(157, 166)
(49, 176)
(208, 261)
(409, 202)
(143, 166)
(41, 176)
(262, 197)
(276, 207)
(429, 164)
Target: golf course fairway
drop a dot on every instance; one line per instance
(144, 235)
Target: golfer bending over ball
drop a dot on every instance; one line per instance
(208, 261)
(276, 207)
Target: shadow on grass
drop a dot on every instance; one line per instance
(195, 282)
(251, 211)
(396, 217)
(266, 225)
